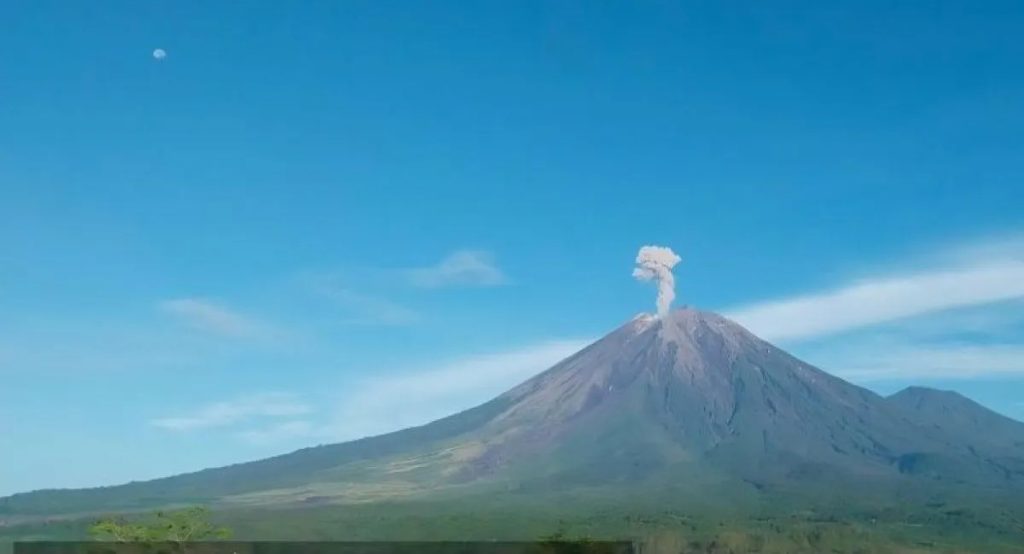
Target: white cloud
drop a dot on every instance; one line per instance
(281, 432)
(881, 299)
(954, 313)
(384, 403)
(460, 268)
(963, 343)
(926, 361)
(366, 309)
(233, 412)
(380, 403)
(207, 316)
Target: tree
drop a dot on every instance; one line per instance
(178, 526)
(118, 530)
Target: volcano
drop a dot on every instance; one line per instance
(683, 400)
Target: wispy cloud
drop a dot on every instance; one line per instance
(394, 401)
(963, 343)
(236, 411)
(475, 268)
(213, 318)
(885, 298)
(283, 431)
(379, 403)
(953, 313)
(365, 309)
(891, 360)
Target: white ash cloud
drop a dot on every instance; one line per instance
(655, 263)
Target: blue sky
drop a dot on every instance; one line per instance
(311, 223)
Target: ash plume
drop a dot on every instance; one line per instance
(655, 263)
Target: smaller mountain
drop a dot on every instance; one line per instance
(963, 422)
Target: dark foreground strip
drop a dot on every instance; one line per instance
(274, 547)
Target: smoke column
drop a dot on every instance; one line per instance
(655, 263)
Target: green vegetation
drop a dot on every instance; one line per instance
(942, 529)
(660, 516)
(671, 521)
(178, 526)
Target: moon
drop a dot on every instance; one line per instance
(159, 54)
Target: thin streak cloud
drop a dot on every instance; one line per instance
(882, 299)
(232, 412)
(207, 316)
(922, 361)
(389, 402)
(472, 268)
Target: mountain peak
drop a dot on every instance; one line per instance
(919, 397)
(686, 321)
(699, 338)
(917, 391)
(956, 415)
(691, 319)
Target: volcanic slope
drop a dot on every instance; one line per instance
(685, 400)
